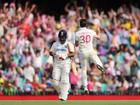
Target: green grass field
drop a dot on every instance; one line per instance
(71, 102)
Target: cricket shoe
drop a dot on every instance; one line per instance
(62, 100)
(86, 92)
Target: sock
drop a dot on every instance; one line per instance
(64, 90)
(84, 79)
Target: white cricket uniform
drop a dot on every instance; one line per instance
(61, 68)
(85, 38)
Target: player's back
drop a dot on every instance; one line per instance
(85, 37)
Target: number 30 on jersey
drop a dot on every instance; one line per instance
(85, 38)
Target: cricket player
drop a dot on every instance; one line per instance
(84, 40)
(62, 64)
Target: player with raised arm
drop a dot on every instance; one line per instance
(62, 64)
(84, 40)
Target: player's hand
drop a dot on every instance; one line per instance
(52, 53)
(61, 58)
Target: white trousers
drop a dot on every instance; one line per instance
(60, 76)
(85, 57)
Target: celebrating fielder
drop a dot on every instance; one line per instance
(84, 40)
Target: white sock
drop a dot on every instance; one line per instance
(64, 90)
(84, 79)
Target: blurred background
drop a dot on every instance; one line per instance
(29, 27)
(57, 7)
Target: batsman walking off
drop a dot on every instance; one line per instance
(62, 64)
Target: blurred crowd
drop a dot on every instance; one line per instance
(26, 36)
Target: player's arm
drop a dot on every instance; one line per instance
(98, 33)
(70, 50)
(76, 40)
(52, 50)
(52, 53)
(55, 55)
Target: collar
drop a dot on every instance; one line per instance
(62, 44)
(82, 28)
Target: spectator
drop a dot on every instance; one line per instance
(1, 83)
(74, 79)
(27, 87)
(134, 68)
(133, 86)
(28, 72)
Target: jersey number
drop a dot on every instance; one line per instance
(85, 38)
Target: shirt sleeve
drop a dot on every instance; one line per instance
(50, 60)
(53, 48)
